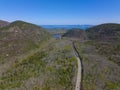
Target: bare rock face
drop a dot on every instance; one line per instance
(3, 23)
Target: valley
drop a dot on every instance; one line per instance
(99, 50)
(32, 58)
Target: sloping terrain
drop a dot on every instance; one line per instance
(19, 39)
(99, 73)
(30, 59)
(100, 53)
(106, 39)
(75, 33)
(104, 32)
(3, 23)
(52, 68)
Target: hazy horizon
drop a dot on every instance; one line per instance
(61, 24)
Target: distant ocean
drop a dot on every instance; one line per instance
(66, 26)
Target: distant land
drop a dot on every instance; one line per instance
(84, 27)
(37, 58)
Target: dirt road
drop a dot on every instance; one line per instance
(79, 73)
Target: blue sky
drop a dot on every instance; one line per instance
(61, 12)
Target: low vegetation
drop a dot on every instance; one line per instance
(52, 68)
(110, 50)
(31, 59)
(99, 73)
(18, 38)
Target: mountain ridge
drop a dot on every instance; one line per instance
(107, 31)
(3, 23)
(20, 37)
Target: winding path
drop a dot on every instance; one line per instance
(79, 72)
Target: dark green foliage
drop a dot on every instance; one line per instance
(75, 33)
(104, 32)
